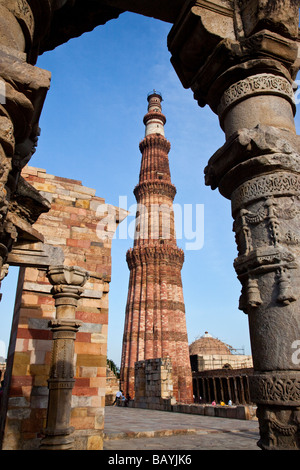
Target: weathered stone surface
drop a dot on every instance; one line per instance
(36, 307)
(279, 15)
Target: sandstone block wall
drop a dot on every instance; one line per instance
(72, 225)
(154, 383)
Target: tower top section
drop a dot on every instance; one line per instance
(154, 120)
(154, 94)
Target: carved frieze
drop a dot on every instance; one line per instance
(264, 84)
(156, 141)
(266, 226)
(156, 253)
(161, 188)
(250, 267)
(277, 184)
(276, 388)
(276, 214)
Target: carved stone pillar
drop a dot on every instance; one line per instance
(258, 170)
(241, 58)
(23, 88)
(67, 287)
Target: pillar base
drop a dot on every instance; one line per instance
(62, 442)
(279, 427)
(277, 396)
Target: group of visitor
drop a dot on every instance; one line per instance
(222, 403)
(214, 403)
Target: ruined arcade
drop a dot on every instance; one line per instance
(240, 58)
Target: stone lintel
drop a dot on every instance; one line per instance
(34, 254)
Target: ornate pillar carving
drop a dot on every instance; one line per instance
(68, 285)
(23, 89)
(241, 58)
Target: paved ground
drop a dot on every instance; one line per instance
(138, 429)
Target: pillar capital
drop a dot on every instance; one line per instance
(67, 276)
(68, 282)
(214, 44)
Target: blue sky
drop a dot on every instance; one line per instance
(92, 124)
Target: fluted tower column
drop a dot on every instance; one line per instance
(155, 325)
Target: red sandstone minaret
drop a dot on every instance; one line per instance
(155, 325)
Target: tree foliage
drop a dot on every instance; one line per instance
(113, 367)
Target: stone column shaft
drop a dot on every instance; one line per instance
(68, 286)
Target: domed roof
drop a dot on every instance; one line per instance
(208, 345)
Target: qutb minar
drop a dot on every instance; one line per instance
(155, 323)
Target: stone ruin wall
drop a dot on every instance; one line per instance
(154, 384)
(71, 224)
(112, 387)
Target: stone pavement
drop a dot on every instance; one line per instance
(140, 429)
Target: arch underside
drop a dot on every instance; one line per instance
(77, 17)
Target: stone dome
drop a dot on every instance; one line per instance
(208, 345)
